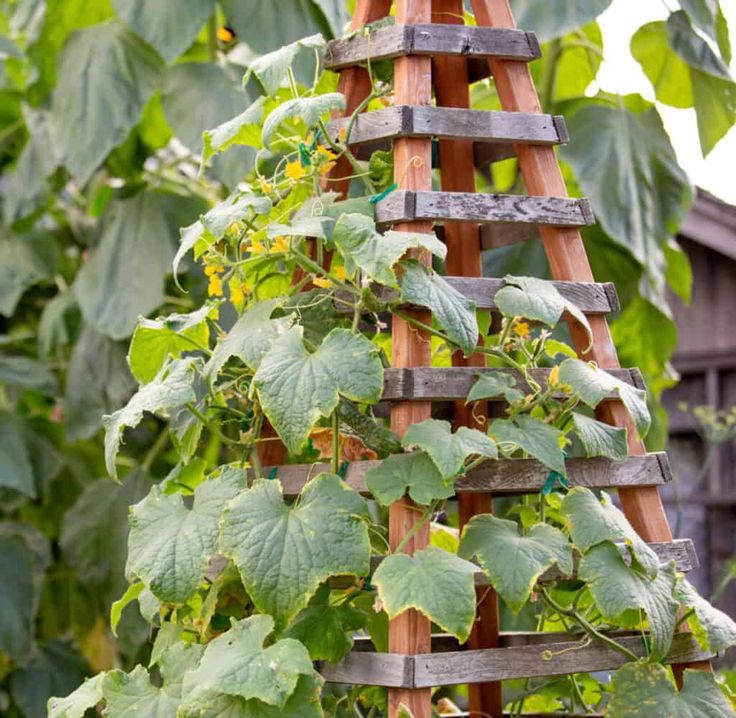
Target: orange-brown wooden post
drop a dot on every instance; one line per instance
(410, 633)
(457, 166)
(568, 261)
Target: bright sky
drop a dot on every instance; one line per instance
(716, 173)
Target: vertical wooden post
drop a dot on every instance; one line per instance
(410, 633)
(457, 166)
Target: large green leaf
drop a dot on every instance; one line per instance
(16, 604)
(307, 109)
(714, 629)
(106, 76)
(447, 450)
(184, 86)
(76, 704)
(454, 312)
(593, 385)
(16, 470)
(703, 14)
(641, 690)
(297, 387)
(553, 18)
(326, 628)
(98, 382)
(245, 129)
(170, 27)
(593, 521)
(284, 553)
(27, 373)
(538, 300)
(639, 193)
(272, 68)
(237, 664)
(124, 277)
(248, 339)
(170, 544)
(22, 268)
(363, 247)
(156, 340)
(437, 583)
(512, 561)
(534, 437)
(618, 588)
(495, 386)
(133, 694)
(414, 473)
(172, 389)
(599, 439)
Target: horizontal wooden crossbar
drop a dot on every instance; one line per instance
(394, 670)
(407, 206)
(451, 383)
(393, 41)
(453, 123)
(504, 476)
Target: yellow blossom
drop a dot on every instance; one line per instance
(264, 185)
(237, 293)
(326, 152)
(325, 168)
(211, 269)
(234, 229)
(257, 247)
(294, 171)
(342, 134)
(554, 375)
(225, 34)
(280, 244)
(215, 286)
(521, 329)
(340, 273)
(322, 282)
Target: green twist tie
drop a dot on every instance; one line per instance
(376, 198)
(272, 473)
(554, 478)
(304, 155)
(343, 469)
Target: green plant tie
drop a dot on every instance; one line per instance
(553, 479)
(304, 155)
(272, 473)
(343, 469)
(376, 198)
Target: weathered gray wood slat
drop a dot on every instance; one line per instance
(505, 476)
(589, 297)
(496, 664)
(407, 206)
(436, 39)
(453, 123)
(450, 383)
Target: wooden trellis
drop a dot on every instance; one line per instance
(436, 56)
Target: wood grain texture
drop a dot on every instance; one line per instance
(504, 476)
(404, 39)
(496, 664)
(407, 206)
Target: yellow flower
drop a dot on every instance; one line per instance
(225, 34)
(234, 229)
(294, 171)
(237, 293)
(211, 270)
(326, 152)
(265, 186)
(215, 286)
(256, 247)
(322, 282)
(521, 329)
(280, 244)
(554, 375)
(342, 134)
(325, 168)
(340, 273)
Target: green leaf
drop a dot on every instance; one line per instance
(553, 18)
(415, 473)
(171, 389)
(599, 439)
(296, 387)
(713, 629)
(434, 582)
(495, 386)
(17, 612)
(593, 521)
(308, 109)
(185, 84)
(679, 271)
(702, 13)
(452, 311)
(534, 437)
(170, 544)
(323, 535)
(538, 300)
(692, 48)
(77, 703)
(578, 63)
(16, 470)
(271, 69)
(124, 276)
(513, 562)
(170, 27)
(27, 373)
(245, 129)
(106, 76)
(618, 588)
(116, 610)
(59, 319)
(98, 382)
(638, 191)
(593, 385)
(133, 694)
(176, 661)
(361, 246)
(449, 451)
(157, 340)
(326, 629)
(639, 688)
(249, 339)
(237, 664)
(22, 268)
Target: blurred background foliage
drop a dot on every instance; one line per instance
(102, 108)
